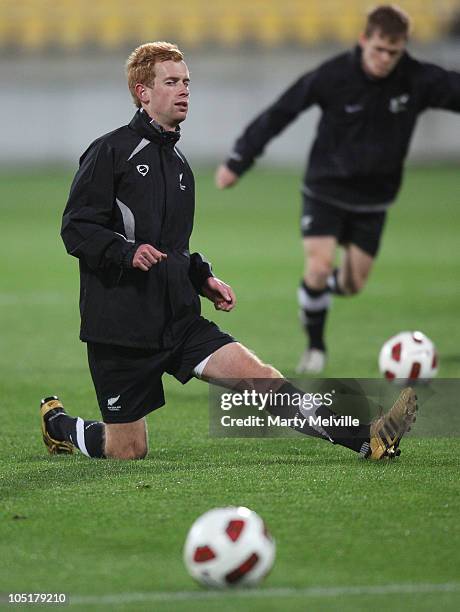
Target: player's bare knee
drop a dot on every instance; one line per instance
(255, 368)
(268, 371)
(141, 451)
(138, 455)
(126, 444)
(318, 272)
(139, 447)
(261, 369)
(128, 452)
(262, 379)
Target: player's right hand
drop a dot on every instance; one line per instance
(147, 256)
(225, 177)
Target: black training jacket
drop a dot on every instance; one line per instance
(134, 186)
(363, 136)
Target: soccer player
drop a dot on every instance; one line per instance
(128, 220)
(370, 98)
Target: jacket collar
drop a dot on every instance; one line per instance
(146, 127)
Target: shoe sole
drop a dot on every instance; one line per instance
(54, 447)
(391, 439)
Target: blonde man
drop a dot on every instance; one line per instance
(128, 220)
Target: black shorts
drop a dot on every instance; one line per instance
(364, 229)
(128, 381)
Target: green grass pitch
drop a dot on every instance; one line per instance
(351, 535)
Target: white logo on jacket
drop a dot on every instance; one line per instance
(353, 108)
(142, 169)
(398, 104)
(183, 187)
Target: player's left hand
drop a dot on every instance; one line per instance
(219, 293)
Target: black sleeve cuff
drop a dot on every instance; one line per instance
(200, 270)
(128, 255)
(238, 166)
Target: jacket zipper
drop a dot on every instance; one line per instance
(163, 219)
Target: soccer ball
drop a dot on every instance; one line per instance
(228, 547)
(408, 356)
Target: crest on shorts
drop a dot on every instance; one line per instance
(142, 169)
(111, 404)
(306, 222)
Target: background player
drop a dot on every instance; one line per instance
(370, 98)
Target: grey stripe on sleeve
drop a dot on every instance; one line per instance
(143, 143)
(179, 155)
(128, 221)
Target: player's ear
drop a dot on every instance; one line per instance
(142, 93)
(362, 39)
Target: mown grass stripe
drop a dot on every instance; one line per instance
(312, 592)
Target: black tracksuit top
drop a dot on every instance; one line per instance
(134, 186)
(362, 139)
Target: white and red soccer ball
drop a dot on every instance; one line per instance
(229, 547)
(408, 356)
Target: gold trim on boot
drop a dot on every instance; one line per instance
(386, 431)
(55, 447)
